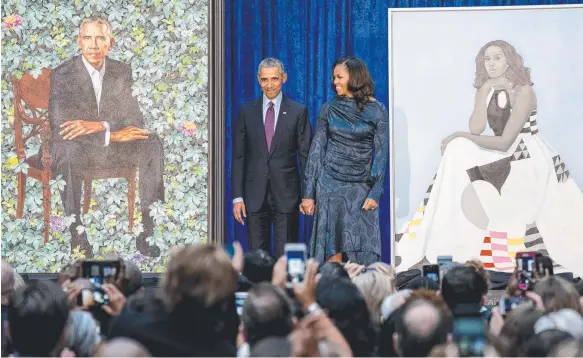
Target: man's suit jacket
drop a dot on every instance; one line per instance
(254, 165)
(72, 97)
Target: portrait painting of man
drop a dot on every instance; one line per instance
(126, 111)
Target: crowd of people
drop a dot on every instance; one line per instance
(339, 309)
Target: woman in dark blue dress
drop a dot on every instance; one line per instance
(346, 167)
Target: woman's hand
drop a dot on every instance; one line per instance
(308, 206)
(498, 83)
(448, 139)
(370, 204)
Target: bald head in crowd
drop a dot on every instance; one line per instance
(423, 326)
(7, 276)
(122, 347)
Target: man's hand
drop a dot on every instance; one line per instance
(308, 206)
(76, 128)
(116, 300)
(305, 292)
(129, 134)
(239, 212)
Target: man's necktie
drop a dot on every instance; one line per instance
(269, 124)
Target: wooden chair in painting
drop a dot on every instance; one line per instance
(31, 103)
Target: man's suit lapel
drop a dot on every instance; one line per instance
(258, 124)
(281, 124)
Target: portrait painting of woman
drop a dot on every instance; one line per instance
(496, 194)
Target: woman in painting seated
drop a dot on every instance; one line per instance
(494, 195)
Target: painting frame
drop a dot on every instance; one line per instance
(392, 13)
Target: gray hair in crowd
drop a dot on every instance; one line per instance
(271, 62)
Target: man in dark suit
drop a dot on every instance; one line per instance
(96, 122)
(272, 132)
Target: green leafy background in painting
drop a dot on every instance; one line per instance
(165, 41)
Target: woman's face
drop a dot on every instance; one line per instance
(495, 61)
(340, 78)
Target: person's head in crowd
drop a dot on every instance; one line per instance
(448, 266)
(422, 326)
(392, 302)
(146, 302)
(200, 282)
(568, 348)
(557, 294)
(258, 266)
(544, 265)
(121, 347)
(135, 281)
(332, 269)
(478, 266)
(421, 283)
(272, 347)
(18, 281)
(69, 273)
(347, 308)
(542, 344)
(267, 312)
(7, 275)
(519, 327)
(566, 320)
(37, 319)
(82, 333)
(429, 295)
(375, 286)
(463, 287)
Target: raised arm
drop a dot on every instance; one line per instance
(479, 116)
(381, 156)
(524, 104)
(317, 154)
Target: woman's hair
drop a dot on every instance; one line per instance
(517, 73)
(332, 269)
(375, 287)
(360, 83)
(558, 293)
(519, 328)
(481, 271)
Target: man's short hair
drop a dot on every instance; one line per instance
(462, 285)
(96, 19)
(415, 341)
(202, 273)
(134, 280)
(271, 62)
(347, 307)
(267, 312)
(37, 317)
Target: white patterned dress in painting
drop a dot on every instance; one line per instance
(490, 204)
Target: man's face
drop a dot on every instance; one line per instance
(271, 80)
(94, 43)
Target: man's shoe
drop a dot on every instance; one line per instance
(146, 249)
(80, 241)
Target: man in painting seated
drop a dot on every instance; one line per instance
(97, 123)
